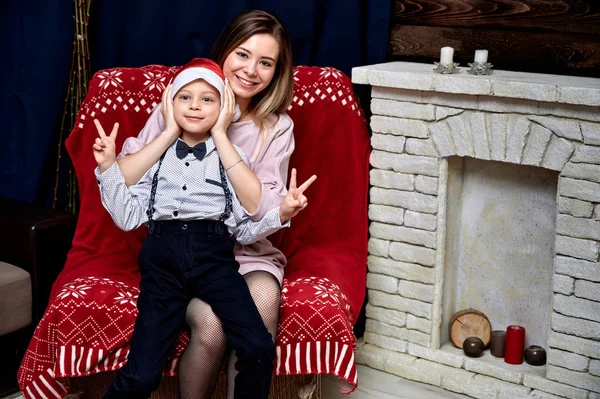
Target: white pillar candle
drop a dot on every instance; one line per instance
(446, 55)
(481, 56)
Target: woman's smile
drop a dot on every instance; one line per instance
(246, 82)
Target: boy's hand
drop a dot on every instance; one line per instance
(294, 201)
(227, 112)
(104, 147)
(171, 126)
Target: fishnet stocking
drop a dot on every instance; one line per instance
(202, 359)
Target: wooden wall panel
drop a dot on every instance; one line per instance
(549, 36)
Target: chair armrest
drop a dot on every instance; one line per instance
(36, 239)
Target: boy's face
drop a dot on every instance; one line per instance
(196, 107)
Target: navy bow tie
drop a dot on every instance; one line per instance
(183, 149)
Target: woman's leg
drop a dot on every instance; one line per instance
(266, 294)
(202, 359)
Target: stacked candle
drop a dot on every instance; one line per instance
(446, 55)
(481, 56)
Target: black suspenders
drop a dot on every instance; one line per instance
(150, 210)
(228, 196)
(228, 201)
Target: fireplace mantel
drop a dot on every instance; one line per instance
(422, 124)
(506, 84)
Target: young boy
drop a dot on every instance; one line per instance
(187, 202)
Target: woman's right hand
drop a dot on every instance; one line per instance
(171, 126)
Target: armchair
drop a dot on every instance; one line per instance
(83, 335)
(33, 249)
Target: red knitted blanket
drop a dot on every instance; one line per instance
(87, 325)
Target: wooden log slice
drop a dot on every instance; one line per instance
(469, 323)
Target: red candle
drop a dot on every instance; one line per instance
(514, 344)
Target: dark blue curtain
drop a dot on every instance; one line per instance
(338, 33)
(37, 44)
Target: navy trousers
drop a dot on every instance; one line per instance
(179, 261)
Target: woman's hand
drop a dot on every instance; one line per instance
(227, 111)
(171, 126)
(104, 147)
(294, 201)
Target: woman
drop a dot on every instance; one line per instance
(255, 53)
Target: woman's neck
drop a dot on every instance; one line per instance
(244, 104)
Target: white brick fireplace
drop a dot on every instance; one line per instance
(485, 194)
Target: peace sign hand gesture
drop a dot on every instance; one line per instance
(294, 201)
(104, 147)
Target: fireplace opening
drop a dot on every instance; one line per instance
(499, 249)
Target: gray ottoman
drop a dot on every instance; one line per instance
(15, 298)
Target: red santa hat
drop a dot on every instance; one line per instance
(200, 68)
(209, 71)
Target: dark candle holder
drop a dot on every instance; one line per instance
(473, 347)
(535, 355)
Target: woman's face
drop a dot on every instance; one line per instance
(250, 66)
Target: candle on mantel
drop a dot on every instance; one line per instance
(481, 56)
(446, 55)
(497, 344)
(514, 344)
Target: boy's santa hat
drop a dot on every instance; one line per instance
(209, 71)
(199, 68)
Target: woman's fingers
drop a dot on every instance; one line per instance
(293, 180)
(163, 103)
(165, 94)
(307, 184)
(228, 99)
(166, 100)
(231, 99)
(303, 200)
(169, 99)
